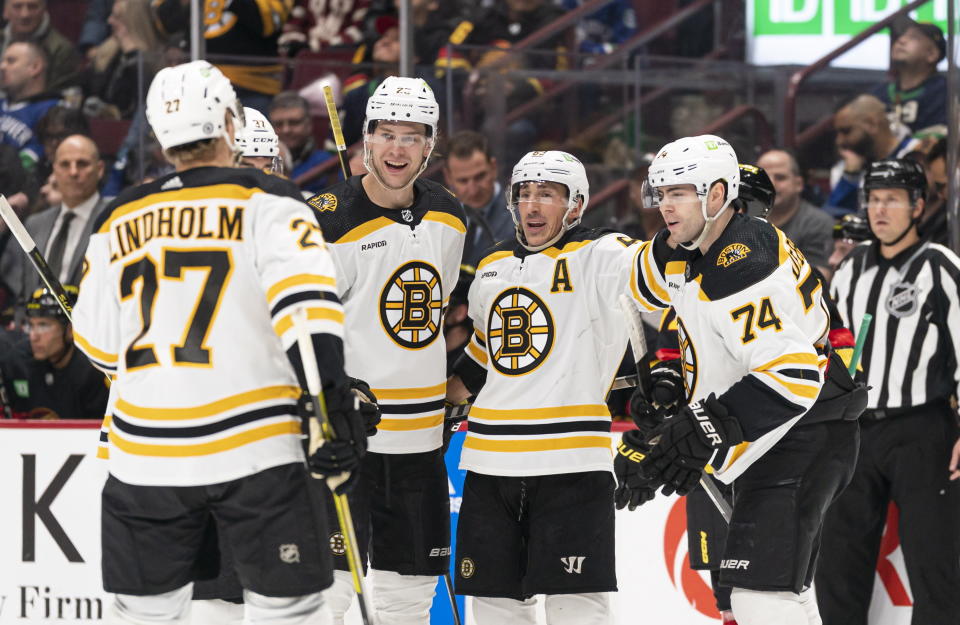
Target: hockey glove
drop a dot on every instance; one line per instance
(633, 487)
(688, 441)
(650, 406)
(343, 454)
(369, 409)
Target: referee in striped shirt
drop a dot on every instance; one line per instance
(912, 289)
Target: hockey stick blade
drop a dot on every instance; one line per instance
(638, 342)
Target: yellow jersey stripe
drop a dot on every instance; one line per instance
(582, 410)
(313, 314)
(554, 252)
(206, 449)
(102, 356)
(676, 267)
(536, 444)
(792, 359)
(300, 280)
(211, 409)
(192, 194)
(649, 270)
(406, 425)
(425, 392)
(446, 219)
(365, 229)
(493, 258)
(810, 392)
(478, 354)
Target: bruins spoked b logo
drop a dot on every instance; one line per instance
(519, 332)
(688, 357)
(411, 305)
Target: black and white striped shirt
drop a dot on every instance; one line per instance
(910, 355)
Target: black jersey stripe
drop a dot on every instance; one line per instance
(303, 296)
(426, 406)
(208, 429)
(516, 429)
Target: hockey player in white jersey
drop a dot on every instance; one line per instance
(397, 241)
(753, 331)
(537, 515)
(258, 143)
(189, 285)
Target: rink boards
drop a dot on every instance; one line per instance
(50, 554)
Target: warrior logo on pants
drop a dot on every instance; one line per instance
(411, 305)
(520, 332)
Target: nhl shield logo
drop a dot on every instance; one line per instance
(903, 299)
(289, 553)
(324, 202)
(406, 215)
(731, 254)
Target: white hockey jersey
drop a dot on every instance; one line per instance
(396, 269)
(549, 335)
(752, 327)
(188, 286)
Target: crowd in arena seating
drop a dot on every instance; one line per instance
(73, 132)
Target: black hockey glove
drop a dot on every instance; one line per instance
(650, 406)
(369, 409)
(343, 454)
(688, 441)
(633, 487)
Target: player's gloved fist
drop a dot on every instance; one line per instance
(343, 454)
(687, 441)
(369, 409)
(650, 406)
(633, 487)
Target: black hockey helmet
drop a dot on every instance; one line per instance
(895, 173)
(43, 303)
(853, 227)
(757, 193)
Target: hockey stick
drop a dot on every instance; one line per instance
(36, 257)
(638, 344)
(337, 131)
(321, 431)
(861, 339)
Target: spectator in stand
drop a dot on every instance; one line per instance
(53, 380)
(357, 89)
(601, 32)
(61, 232)
(471, 172)
(322, 24)
(917, 94)
(110, 83)
(640, 222)
(95, 29)
(56, 125)
(290, 115)
(864, 135)
(23, 78)
(809, 227)
(933, 223)
(16, 185)
(237, 28)
(28, 20)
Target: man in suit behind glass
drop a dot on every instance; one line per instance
(61, 232)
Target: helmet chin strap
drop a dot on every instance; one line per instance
(707, 226)
(906, 231)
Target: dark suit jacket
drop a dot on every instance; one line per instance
(15, 267)
(497, 225)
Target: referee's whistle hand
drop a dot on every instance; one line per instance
(955, 461)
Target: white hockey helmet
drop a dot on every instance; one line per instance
(699, 161)
(188, 103)
(403, 100)
(550, 166)
(257, 137)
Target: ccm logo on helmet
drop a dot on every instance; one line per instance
(705, 424)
